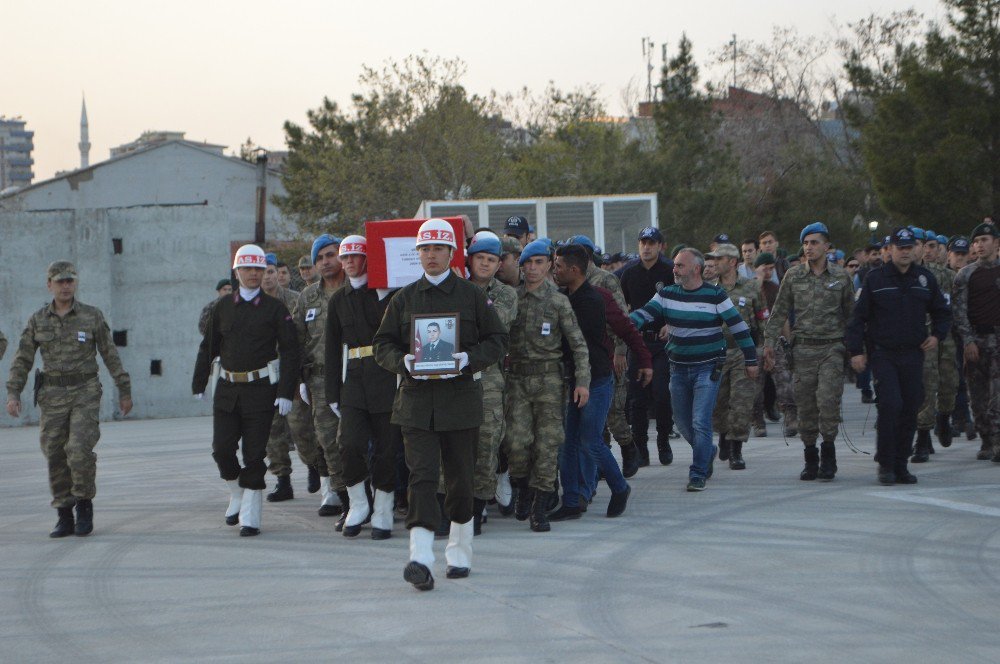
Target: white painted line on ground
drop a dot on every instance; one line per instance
(940, 502)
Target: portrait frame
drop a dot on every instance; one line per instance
(433, 348)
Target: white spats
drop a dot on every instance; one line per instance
(359, 511)
(504, 492)
(235, 497)
(422, 545)
(250, 508)
(330, 497)
(458, 553)
(382, 517)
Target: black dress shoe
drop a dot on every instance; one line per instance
(330, 510)
(381, 534)
(247, 531)
(665, 452)
(282, 490)
(905, 477)
(456, 572)
(65, 526)
(565, 513)
(352, 531)
(313, 484)
(723, 448)
(232, 519)
(419, 575)
(618, 501)
(84, 517)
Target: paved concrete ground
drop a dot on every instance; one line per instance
(761, 567)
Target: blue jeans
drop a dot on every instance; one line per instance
(692, 395)
(584, 451)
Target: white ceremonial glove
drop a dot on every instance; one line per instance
(304, 392)
(284, 406)
(199, 396)
(336, 410)
(408, 363)
(463, 360)
(447, 376)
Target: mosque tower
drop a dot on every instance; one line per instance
(84, 137)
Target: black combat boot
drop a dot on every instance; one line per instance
(630, 460)
(477, 516)
(903, 475)
(65, 525)
(723, 447)
(345, 505)
(665, 452)
(643, 452)
(282, 490)
(812, 463)
(886, 475)
(84, 517)
(539, 521)
(525, 497)
(921, 451)
(827, 461)
(313, 484)
(944, 429)
(736, 461)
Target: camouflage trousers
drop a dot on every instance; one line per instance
(818, 375)
(533, 409)
(784, 383)
(297, 427)
(326, 425)
(983, 379)
(491, 432)
(940, 383)
(617, 422)
(734, 403)
(69, 427)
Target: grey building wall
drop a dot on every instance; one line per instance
(154, 290)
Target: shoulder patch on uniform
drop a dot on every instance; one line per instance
(923, 280)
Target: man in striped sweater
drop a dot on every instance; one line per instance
(694, 312)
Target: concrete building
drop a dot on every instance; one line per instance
(152, 138)
(16, 144)
(151, 232)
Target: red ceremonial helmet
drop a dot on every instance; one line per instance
(436, 231)
(353, 245)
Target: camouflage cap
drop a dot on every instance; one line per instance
(60, 270)
(510, 245)
(305, 261)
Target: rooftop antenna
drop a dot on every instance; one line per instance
(647, 52)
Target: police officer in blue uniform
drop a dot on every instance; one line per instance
(889, 332)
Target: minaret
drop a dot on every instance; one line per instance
(84, 137)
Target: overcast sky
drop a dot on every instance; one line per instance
(223, 70)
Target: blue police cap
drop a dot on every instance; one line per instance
(722, 238)
(324, 240)
(903, 237)
(534, 248)
(814, 227)
(484, 245)
(959, 244)
(651, 233)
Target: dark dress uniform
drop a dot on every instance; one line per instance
(890, 321)
(440, 418)
(366, 397)
(247, 335)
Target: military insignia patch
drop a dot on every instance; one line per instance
(923, 280)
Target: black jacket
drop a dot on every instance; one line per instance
(892, 311)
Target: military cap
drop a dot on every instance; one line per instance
(535, 248)
(585, 241)
(223, 283)
(942, 239)
(984, 229)
(484, 245)
(917, 232)
(509, 245)
(724, 250)
(814, 227)
(60, 270)
(764, 258)
(305, 261)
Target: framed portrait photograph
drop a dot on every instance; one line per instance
(434, 338)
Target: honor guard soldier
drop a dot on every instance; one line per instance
(484, 260)
(440, 419)
(69, 335)
(310, 323)
(889, 331)
(977, 319)
(737, 392)
(822, 297)
(361, 393)
(297, 428)
(535, 392)
(247, 332)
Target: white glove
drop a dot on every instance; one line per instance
(463, 360)
(335, 408)
(199, 396)
(447, 376)
(408, 362)
(284, 406)
(304, 392)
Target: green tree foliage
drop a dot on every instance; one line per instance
(931, 135)
(414, 133)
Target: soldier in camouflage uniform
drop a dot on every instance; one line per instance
(535, 385)
(976, 315)
(310, 322)
(3, 345)
(737, 392)
(69, 335)
(940, 372)
(484, 261)
(295, 431)
(223, 288)
(822, 297)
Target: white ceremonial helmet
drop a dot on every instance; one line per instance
(354, 245)
(250, 255)
(436, 231)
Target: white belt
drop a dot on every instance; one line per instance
(244, 376)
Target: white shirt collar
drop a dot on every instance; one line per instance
(249, 295)
(359, 282)
(439, 278)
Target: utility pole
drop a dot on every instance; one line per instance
(259, 227)
(734, 60)
(647, 52)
